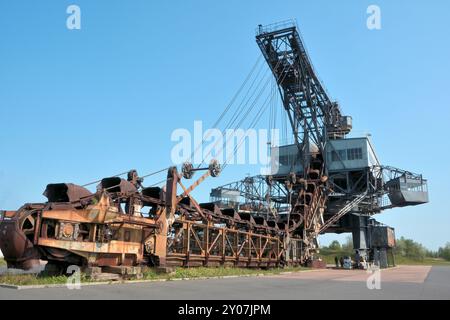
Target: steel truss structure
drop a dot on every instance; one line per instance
(315, 197)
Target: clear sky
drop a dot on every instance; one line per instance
(78, 105)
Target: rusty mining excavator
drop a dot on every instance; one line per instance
(323, 182)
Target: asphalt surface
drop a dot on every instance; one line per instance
(404, 282)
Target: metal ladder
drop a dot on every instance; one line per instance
(349, 206)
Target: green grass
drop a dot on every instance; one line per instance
(202, 272)
(150, 274)
(426, 261)
(2, 262)
(328, 255)
(30, 279)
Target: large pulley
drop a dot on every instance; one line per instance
(188, 170)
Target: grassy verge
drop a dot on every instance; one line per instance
(30, 279)
(328, 255)
(151, 274)
(425, 262)
(202, 272)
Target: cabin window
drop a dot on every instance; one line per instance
(338, 155)
(354, 154)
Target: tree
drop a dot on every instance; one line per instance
(335, 245)
(444, 252)
(348, 245)
(432, 254)
(410, 249)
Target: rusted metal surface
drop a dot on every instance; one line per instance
(316, 264)
(109, 228)
(116, 185)
(16, 238)
(66, 192)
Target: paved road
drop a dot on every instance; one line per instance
(405, 282)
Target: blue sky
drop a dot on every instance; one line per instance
(78, 105)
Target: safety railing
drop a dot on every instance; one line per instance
(276, 26)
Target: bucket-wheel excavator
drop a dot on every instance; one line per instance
(323, 182)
